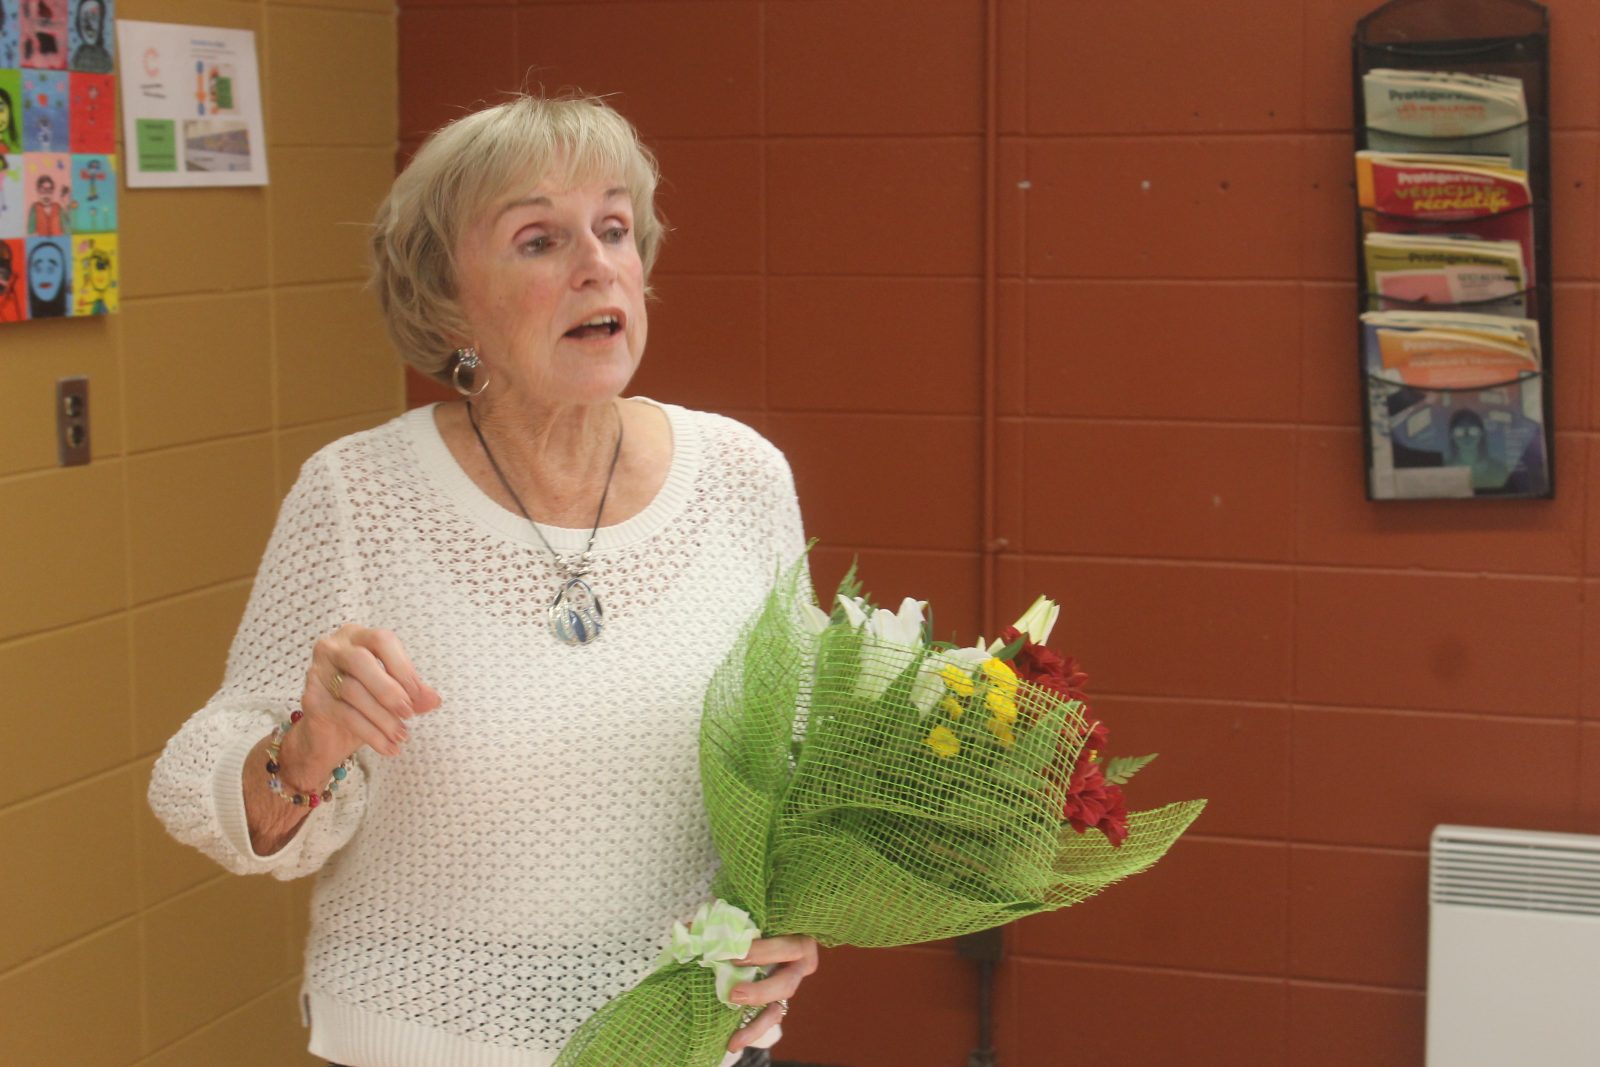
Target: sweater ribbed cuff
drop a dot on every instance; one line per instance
(227, 794)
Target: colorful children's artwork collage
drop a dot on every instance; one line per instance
(58, 164)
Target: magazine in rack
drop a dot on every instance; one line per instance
(1453, 257)
(1481, 114)
(1456, 405)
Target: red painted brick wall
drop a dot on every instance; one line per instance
(1179, 449)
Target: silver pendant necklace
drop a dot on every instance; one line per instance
(576, 617)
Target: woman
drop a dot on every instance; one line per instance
(496, 619)
(49, 273)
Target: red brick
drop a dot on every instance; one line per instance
(1331, 387)
(1574, 41)
(1589, 779)
(1591, 649)
(1328, 208)
(910, 207)
(1570, 355)
(1138, 67)
(1071, 1013)
(948, 581)
(1507, 645)
(1012, 494)
(1012, 58)
(1337, 524)
(421, 389)
(884, 1006)
(1011, 207)
(885, 481)
(1011, 298)
(1358, 916)
(1213, 351)
(1574, 187)
(1433, 769)
(1338, 1026)
(1154, 917)
(1165, 207)
(684, 69)
(881, 344)
(453, 59)
(710, 192)
(1144, 489)
(875, 66)
(1326, 64)
(705, 347)
(1169, 629)
(1234, 756)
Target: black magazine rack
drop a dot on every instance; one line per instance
(1510, 38)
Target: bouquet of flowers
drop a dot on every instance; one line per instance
(868, 786)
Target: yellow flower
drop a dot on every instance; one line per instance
(1000, 675)
(956, 680)
(943, 742)
(1002, 730)
(1000, 705)
(952, 707)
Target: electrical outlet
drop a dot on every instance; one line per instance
(72, 421)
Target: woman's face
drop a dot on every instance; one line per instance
(553, 290)
(45, 270)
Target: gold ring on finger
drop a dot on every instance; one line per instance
(783, 1007)
(336, 687)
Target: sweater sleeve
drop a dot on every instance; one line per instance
(301, 592)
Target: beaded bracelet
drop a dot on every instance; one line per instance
(310, 800)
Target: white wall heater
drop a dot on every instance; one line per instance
(1513, 949)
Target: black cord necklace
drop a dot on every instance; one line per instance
(576, 617)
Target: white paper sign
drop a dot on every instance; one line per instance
(191, 106)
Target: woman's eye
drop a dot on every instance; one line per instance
(616, 234)
(535, 245)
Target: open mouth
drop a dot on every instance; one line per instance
(607, 324)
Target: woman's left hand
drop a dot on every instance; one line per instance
(791, 959)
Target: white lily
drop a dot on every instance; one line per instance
(930, 686)
(1039, 620)
(813, 619)
(890, 640)
(855, 609)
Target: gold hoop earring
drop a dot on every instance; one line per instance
(467, 359)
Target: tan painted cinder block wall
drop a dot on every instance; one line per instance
(245, 342)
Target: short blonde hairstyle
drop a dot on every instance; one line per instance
(461, 172)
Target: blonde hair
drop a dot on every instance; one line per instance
(460, 172)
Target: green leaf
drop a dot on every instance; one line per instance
(1009, 653)
(850, 585)
(1119, 770)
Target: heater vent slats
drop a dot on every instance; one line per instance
(1551, 873)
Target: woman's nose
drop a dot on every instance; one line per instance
(594, 263)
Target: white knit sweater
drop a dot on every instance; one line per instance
(523, 859)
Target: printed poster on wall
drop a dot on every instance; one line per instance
(191, 105)
(58, 164)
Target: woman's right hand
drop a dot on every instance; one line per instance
(360, 690)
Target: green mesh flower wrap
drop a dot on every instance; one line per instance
(841, 811)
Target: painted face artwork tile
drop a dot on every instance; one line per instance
(44, 111)
(47, 181)
(13, 281)
(94, 272)
(90, 36)
(49, 271)
(58, 167)
(10, 40)
(43, 33)
(11, 195)
(94, 194)
(93, 112)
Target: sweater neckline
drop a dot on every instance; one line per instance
(440, 464)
